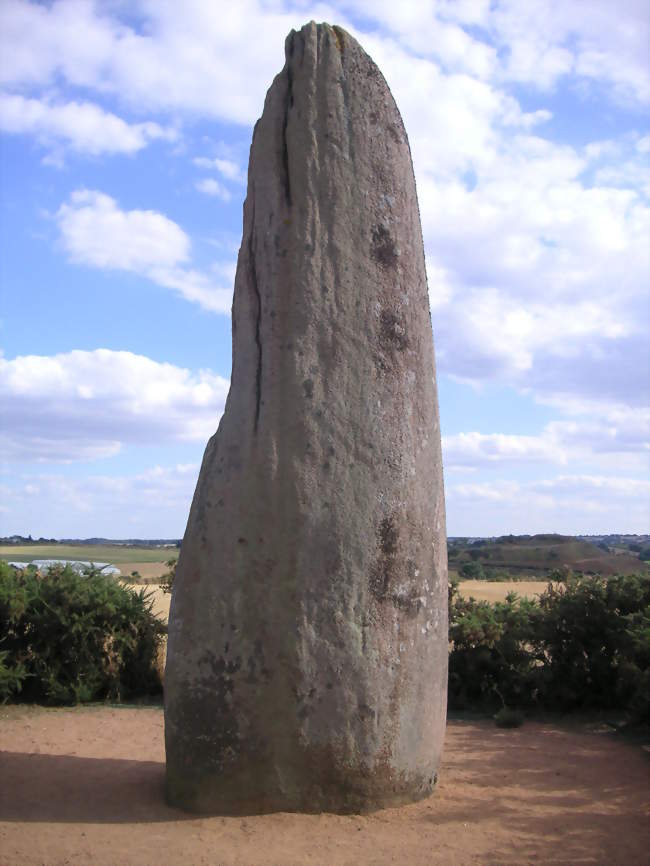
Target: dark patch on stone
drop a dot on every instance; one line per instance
(392, 333)
(383, 247)
(394, 134)
(409, 604)
(382, 573)
(308, 388)
(366, 712)
(388, 536)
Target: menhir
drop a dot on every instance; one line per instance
(307, 658)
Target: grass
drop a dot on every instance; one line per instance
(115, 554)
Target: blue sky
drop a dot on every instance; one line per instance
(125, 135)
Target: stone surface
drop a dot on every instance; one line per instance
(307, 658)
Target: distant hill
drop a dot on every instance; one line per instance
(537, 555)
(94, 542)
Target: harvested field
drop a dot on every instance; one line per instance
(147, 570)
(85, 786)
(161, 600)
(485, 590)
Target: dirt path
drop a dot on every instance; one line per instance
(84, 786)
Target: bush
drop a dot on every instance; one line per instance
(472, 571)
(68, 637)
(596, 637)
(507, 718)
(584, 645)
(167, 580)
(491, 663)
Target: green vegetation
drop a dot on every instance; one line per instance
(167, 580)
(584, 645)
(67, 638)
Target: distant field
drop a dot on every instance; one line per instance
(537, 555)
(118, 555)
(485, 590)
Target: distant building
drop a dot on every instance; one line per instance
(75, 564)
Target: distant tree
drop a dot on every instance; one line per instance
(472, 571)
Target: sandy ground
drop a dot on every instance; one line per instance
(84, 786)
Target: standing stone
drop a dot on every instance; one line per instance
(307, 659)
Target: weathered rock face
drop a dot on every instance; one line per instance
(307, 658)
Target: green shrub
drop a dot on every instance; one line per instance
(11, 677)
(167, 580)
(472, 571)
(583, 645)
(596, 638)
(492, 663)
(68, 637)
(508, 718)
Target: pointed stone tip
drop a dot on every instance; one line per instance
(313, 28)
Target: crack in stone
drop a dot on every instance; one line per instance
(288, 104)
(258, 339)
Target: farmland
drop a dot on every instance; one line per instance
(117, 554)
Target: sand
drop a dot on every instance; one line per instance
(84, 786)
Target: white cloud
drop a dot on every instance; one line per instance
(83, 405)
(201, 59)
(569, 504)
(479, 448)
(83, 126)
(226, 167)
(198, 59)
(94, 231)
(542, 40)
(210, 186)
(427, 29)
(617, 438)
(150, 504)
(534, 43)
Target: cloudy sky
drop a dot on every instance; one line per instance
(125, 135)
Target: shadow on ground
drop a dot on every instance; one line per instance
(40, 787)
